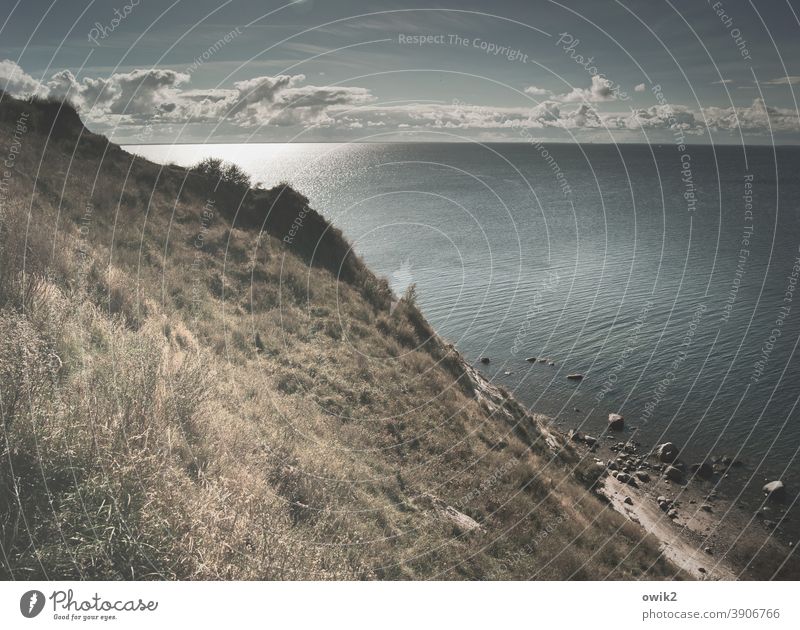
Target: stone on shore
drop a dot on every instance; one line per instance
(575, 435)
(703, 470)
(667, 452)
(626, 478)
(775, 490)
(673, 474)
(616, 422)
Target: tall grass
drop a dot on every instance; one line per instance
(147, 434)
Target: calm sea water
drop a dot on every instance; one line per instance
(665, 277)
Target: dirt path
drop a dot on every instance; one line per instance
(683, 539)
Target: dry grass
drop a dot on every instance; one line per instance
(228, 411)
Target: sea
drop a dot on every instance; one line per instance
(665, 275)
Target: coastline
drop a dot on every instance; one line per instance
(703, 533)
(709, 535)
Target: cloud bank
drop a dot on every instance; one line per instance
(164, 97)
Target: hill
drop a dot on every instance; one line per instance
(201, 380)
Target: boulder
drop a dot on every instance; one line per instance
(775, 490)
(575, 377)
(642, 476)
(531, 359)
(628, 501)
(667, 452)
(704, 470)
(673, 474)
(575, 435)
(616, 422)
(590, 441)
(486, 360)
(626, 478)
(461, 521)
(722, 464)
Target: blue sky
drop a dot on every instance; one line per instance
(146, 71)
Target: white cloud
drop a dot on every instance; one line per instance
(164, 99)
(537, 91)
(131, 96)
(722, 82)
(582, 118)
(639, 88)
(16, 81)
(656, 117)
(161, 96)
(601, 90)
(788, 80)
(757, 117)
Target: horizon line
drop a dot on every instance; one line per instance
(515, 142)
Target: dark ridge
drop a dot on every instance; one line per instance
(48, 116)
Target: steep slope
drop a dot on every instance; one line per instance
(200, 380)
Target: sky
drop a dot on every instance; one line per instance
(146, 71)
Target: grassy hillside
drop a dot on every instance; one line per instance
(199, 380)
